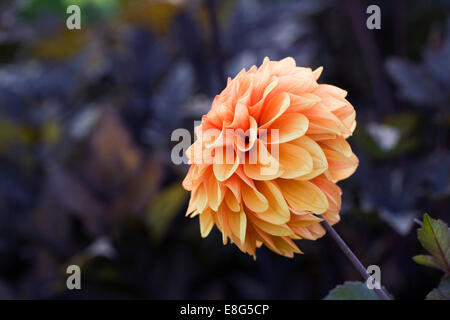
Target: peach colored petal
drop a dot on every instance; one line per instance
(274, 109)
(261, 165)
(232, 202)
(339, 166)
(302, 102)
(222, 167)
(289, 126)
(303, 195)
(238, 224)
(272, 229)
(254, 199)
(320, 163)
(278, 210)
(295, 160)
(206, 223)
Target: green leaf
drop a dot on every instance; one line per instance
(352, 290)
(164, 208)
(426, 261)
(442, 292)
(435, 238)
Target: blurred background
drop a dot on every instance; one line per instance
(85, 123)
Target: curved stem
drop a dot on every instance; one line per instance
(353, 259)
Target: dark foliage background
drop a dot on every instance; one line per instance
(85, 124)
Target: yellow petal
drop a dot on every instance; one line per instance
(254, 199)
(201, 198)
(261, 165)
(206, 223)
(278, 210)
(303, 220)
(272, 229)
(251, 134)
(295, 160)
(320, 164)
(303, 195)
(225, 163)
(215, 193)
(232, 202)
(238, 224)
(338, 144)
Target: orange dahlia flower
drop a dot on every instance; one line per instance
(267, 158)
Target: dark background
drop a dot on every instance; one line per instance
(85, 123)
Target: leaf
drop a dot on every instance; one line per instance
(164, 208)
(435, 238)
(61, 45)
(442, 292)
(426, 261)
(352, 290)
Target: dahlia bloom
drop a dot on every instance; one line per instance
(267, 158)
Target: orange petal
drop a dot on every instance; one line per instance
(302, 101)
(303, 220)
(274, 109)
(266, 167)
(251, 134)
(238, 224)
(340, 166)
(278, 210)
(320, 163)
(295, 160)
(201, 198)
(338, 144)
(331, 190)
(206, 222)
(254, 199)
(231, 201)
(225, 163)
(215, 193)
(289, 126)
(303, 195)
(241, 117)
(272, 229)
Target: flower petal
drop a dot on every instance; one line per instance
(278, 210)
(320, 164)
(273, 229)
(295, 160)
(238, 224)
(261, 165)
(303, 195)
(206, 223)
(302, 101)
(231, 201)
(254, 199)
(225, 163)
(289, 126)
(274, 109)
